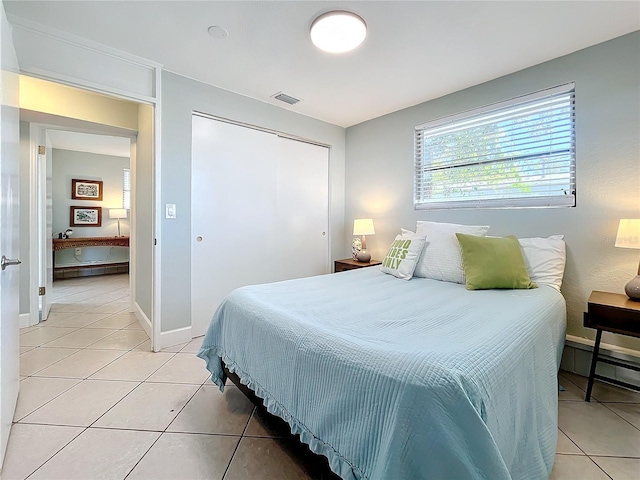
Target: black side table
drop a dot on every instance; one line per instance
(611, 312)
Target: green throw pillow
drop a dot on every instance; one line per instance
(493, 262)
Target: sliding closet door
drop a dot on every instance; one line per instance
(259, 212)
(302, 213)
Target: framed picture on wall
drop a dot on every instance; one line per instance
(86, 217)
(86, 189)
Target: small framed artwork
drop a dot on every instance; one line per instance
(86, 189)
(86, 217)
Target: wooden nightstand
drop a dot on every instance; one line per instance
(350, 264)
(611, 312)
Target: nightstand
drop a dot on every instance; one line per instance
(611, 312)
(350, 264)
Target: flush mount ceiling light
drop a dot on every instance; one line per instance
(338, 31)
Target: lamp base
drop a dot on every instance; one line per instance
(356, 246)
(632, 289)
(363, 256)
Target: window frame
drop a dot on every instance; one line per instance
(480, 116)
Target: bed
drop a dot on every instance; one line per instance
(392, 379)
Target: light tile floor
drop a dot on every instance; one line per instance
(96, 403)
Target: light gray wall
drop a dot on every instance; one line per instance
(24, 217)
(379, 170)
(68, 165)
(180, 97)
(143, 192)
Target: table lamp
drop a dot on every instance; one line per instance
(629, 237)
(118, 213)
(364, 227)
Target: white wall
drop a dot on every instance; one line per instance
(55, 99)
(180, 97)
(68, 165)
(379, 170)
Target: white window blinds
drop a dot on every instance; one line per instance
(126, 188)
(518, 153)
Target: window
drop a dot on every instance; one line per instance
(126, 188)
(518, 153)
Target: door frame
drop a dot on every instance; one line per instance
(37, 136)
(34, 241)
(154, 100)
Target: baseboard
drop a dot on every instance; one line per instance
(167, 339)
(175, 337)
(23, 319)
(89, 270)
(143, 320)
(577, 353)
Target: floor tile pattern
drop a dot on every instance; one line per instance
(96, 403)
(599, 439)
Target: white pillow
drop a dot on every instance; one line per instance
(403, 255)
(442, 259)
(545, 259)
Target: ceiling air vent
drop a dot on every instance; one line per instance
(283, 97)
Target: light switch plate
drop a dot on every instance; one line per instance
(170, 210)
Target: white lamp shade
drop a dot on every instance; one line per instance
(363, 226)
(628, 233)
(338, 31)
(117, 213)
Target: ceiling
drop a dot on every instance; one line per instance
(414, 51)
(91, 143)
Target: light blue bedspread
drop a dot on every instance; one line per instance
(397, 380)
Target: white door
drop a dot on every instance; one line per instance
(259, 212)
(302, 210)
(45, 226)
(9, 231)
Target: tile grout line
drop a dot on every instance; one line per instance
(138, 386)
(81, 381)
(226, 470)
(79, 349)
(133, 390)
(85, 327)
(618, 415)
(57, 451)
(143, 455)
(605, 404)
(571, 440)
(599, 467)
(613, 456)
(607, 407)
(47, 402)
(69, 333)
(51, 364)
(165, 429)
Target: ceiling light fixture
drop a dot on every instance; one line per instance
(338, 31)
